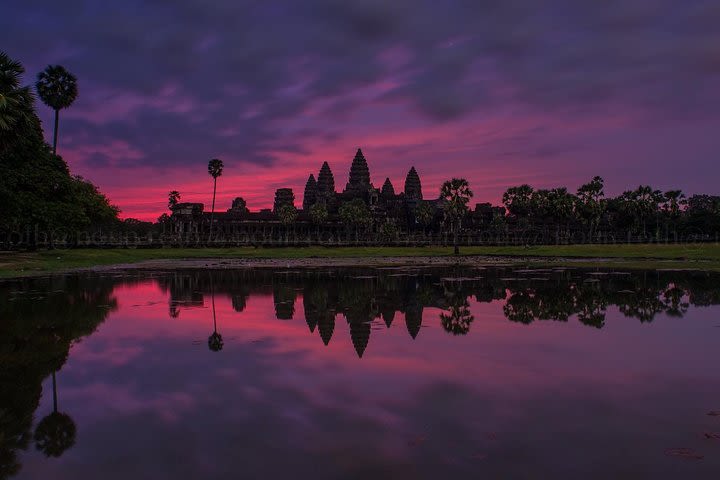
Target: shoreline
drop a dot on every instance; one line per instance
(215, 262)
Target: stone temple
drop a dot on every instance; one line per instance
(386, 204)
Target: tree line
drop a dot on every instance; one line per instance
(38, 193)
(644, 212)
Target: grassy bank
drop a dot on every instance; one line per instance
(704, 256)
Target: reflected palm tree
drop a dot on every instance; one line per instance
(215, 340)
(457, 319)
(519, 307)
(56, 432)
(674, 302)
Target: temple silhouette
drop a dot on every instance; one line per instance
(384, 203)
(366, 298)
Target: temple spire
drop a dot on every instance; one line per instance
(387, 189)
(325, 183)
(326, 326)
(413, 188)
(311, 191)
(359, 173)
(413, 320)
(360, 336)
(283, 196)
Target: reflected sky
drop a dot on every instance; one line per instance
(554, 374)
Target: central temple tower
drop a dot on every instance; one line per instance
(359, 181)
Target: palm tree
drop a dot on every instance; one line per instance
(57, 89)
(287, 214)
(318, 215)
(457, 194)
(355, 213)
(56, 432)
(15, 102)
(215, 340)
(215, 169)
(590, 200)
(173, 199)
(424, 214)
(674, 202)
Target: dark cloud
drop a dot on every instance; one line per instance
(251, 67)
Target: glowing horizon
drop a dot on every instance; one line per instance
(501, 96)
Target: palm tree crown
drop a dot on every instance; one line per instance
(15, 101)
(57, 87)
(456, 192)
(215, 167)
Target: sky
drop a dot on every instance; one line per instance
(501, 92)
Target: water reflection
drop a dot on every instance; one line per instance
(215, 340)
(42, 318)
(56, 432)
(363, 295)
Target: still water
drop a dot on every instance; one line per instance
(361, 373)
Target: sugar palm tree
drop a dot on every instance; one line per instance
(287, 214)
(215, 169)
(215, 340)
(56, 432)
(424, 214)
(57, 89)
(16, 102)
(457, 194)
(173, 199)
(591, 203)
(318, 216)
(355, 214)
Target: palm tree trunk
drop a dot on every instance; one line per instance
(55, 134)
(456, 248)
(212, 210)
(212, 297)
(54, 393)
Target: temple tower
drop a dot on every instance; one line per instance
(325, 184)
(413, 319)
(360, 336)
(310, 195)
(388, 191)
(326, 326)
(359, 181)
(413, 188)
(283, 196)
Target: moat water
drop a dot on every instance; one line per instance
(361, 373)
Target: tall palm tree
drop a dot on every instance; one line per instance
(56, 432)
(173, 199)
(16, 102)
(57, 89)
(592, 205)
(215, 340)
(215, 169)
(457, 194)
